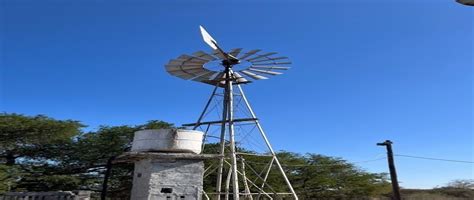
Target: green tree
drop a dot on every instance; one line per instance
(25, 147)
(43, 154)
(324, 177)
(461, 184)
(313, 176)
(8, 176)
(26, 137)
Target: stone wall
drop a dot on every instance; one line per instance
(167, 179)
(61, 195)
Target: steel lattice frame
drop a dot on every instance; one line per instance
(262, 189)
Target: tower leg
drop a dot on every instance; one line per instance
(222, 146)
(268, 143)
(227, 184)
(235, 177)
(248, 195)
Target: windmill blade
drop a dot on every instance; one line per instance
(219, 54)
(264, 71)
(263, 55)
(280, 63)
(235, 52)
(271, 67)
(215, 76)
(192, 58)
(252, 75)
(179, 62)
(181, 68)
(269, 59)
(205, 77)
(202, 54)
(219, 79)
(182, 62)
(250, 53)
(187, 67)
(240, 78)
(192, 72)
(182, 74)
(186, 60)
(183, 65)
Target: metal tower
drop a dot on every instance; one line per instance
(237, 162)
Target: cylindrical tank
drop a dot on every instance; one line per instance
(168, 140)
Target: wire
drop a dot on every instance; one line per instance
(321, 164)
(366, 161)
(438, 159)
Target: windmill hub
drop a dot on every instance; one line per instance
(230, 61)
(241, 66)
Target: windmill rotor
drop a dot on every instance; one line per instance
(245, 66)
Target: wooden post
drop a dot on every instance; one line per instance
(108, 170)
(393, 172)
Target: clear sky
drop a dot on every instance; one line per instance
(362, 72)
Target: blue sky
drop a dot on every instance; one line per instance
(362, 72)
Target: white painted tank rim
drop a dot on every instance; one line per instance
(182, 139)
(168, 140)
(170, 129)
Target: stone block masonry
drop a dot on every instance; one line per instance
(167, 179)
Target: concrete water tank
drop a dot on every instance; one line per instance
(168, 140)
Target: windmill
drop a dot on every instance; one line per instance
(227, 71)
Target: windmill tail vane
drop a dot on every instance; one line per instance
(247, 160)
